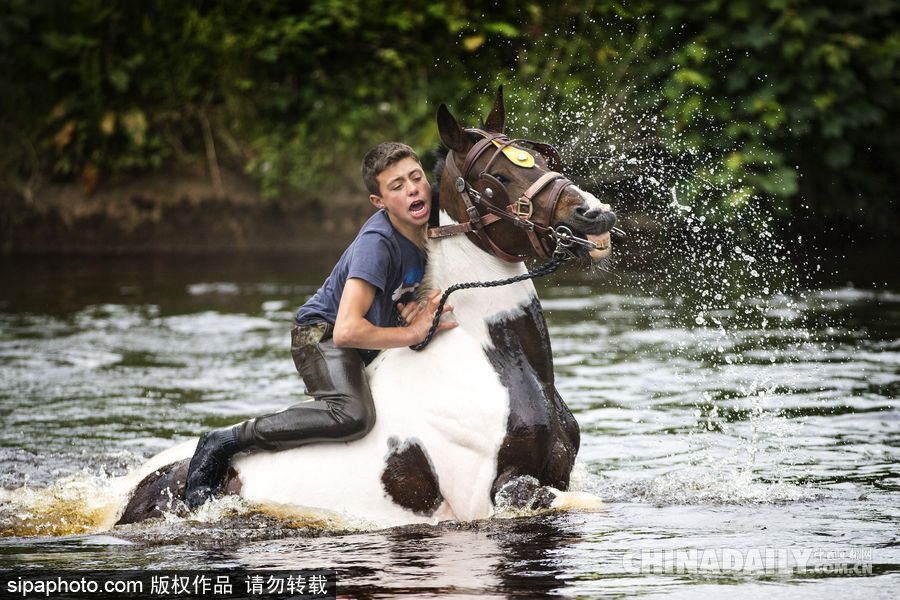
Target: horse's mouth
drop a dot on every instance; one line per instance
(594, 228)
(602, 246)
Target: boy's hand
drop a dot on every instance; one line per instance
(419, 317)
(408, 311)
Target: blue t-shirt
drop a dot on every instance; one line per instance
(381, 256)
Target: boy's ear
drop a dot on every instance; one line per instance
(496, 120)
(451, 133)
(376, 201)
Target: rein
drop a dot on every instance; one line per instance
(562, 253)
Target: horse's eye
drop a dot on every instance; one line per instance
(500, 177)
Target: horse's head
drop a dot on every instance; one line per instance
(509, 194)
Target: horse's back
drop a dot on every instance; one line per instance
(441, 416)
(430, 455)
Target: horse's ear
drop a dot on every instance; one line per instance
(496, 121)
(451, 133)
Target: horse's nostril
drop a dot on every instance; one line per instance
(592, 214)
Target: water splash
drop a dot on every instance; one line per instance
(705, 241)
(84, 502)
(712, 487)
(90, 502)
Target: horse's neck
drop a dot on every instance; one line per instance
(457, 260)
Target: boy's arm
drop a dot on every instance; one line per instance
(353, 330)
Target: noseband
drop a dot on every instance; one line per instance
(490, 193)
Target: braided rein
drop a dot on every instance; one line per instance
(564, 240)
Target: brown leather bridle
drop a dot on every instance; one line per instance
(488, 192)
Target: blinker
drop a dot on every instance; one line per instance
(516, 156)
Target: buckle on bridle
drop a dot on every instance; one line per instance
(474, 217)
(523, 208)
(564, 239)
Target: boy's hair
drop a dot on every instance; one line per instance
(380, 158)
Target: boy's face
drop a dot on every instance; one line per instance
(404, 193)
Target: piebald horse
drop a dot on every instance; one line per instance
(474, 420)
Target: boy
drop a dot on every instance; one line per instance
(339, 330)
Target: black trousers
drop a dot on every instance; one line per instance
(341, 410)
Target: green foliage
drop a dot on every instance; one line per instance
(796, 99)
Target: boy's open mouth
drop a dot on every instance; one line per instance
(418, 209)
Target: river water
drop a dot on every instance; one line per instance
(764, 449)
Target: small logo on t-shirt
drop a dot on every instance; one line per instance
(407, 290)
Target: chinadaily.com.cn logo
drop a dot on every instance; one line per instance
(757, 561)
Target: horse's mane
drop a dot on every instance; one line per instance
(440, 156)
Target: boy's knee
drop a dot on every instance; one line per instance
(360, 421)
(353, 420)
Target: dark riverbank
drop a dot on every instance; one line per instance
(182, 215)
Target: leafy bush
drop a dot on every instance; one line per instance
(793, 99)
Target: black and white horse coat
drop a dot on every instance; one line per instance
(473, 418)
(475, 410)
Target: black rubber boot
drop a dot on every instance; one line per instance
(206, 473)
